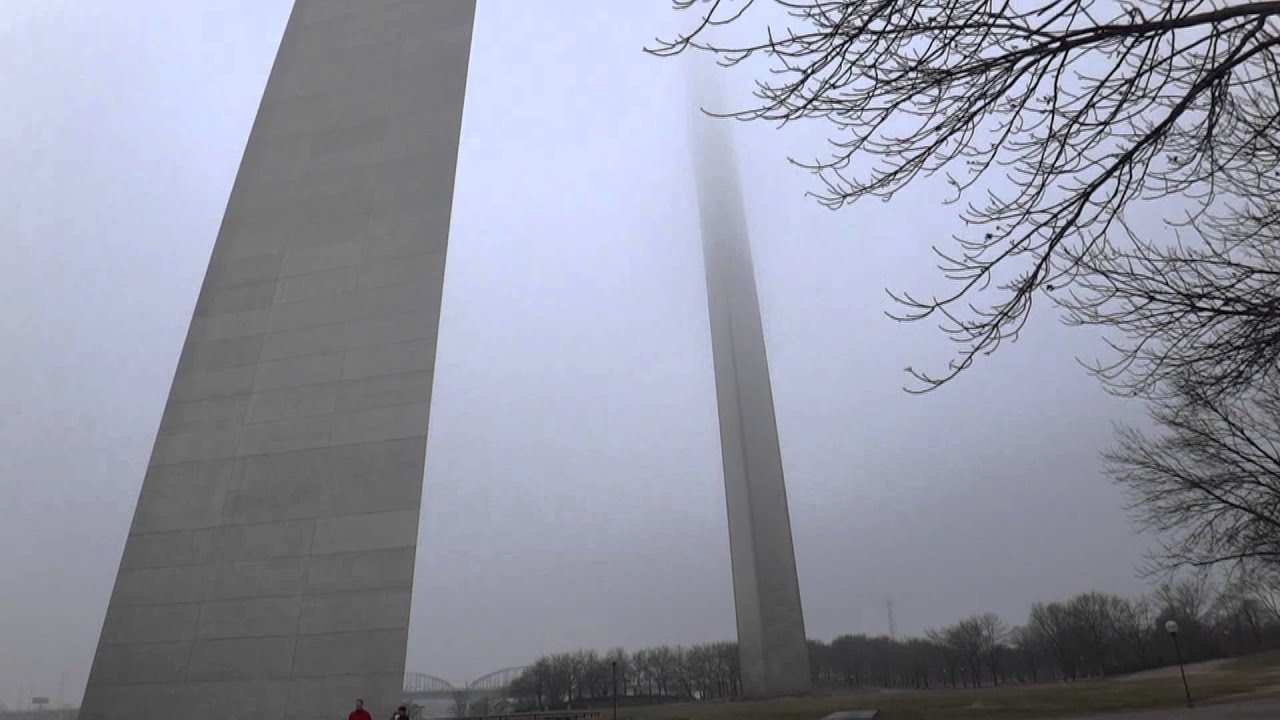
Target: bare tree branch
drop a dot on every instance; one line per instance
(1053, 120)
(1210, 484)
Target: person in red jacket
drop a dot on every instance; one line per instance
(359, 713)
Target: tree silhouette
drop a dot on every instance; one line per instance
(1209, 483)
(1053, 121)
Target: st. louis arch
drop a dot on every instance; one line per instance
(268, 568)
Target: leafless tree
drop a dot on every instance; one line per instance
(1237, 614)
(731, 667)
(625, 673)
(1261, 582)
(595, 676)
(1054, 624)
(1054, 120)
(562, 679)
(665, 665)
(1186, 598)
(530, 688)
(848, 653)
(642, 672)
(951, 658)
(1028, 649)
(993, 634)
(974, 643)
(1093, 614)
(1209, 483)
(1133, 622)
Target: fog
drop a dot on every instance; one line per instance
(573, 494)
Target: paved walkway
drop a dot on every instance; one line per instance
(1262, 710)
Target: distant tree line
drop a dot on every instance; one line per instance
(1090, 635)
(665, 672)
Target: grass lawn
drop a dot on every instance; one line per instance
(1252, 677)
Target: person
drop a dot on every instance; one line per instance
(359, 713)
(401, 714)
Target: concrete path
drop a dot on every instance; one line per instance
(1261, 710)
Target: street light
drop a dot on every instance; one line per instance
(1171, 627)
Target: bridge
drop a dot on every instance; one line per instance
(493, 686)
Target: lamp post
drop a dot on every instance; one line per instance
(1171, 627)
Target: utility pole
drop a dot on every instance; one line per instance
(893, 625)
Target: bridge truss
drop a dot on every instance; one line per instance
(494, 685)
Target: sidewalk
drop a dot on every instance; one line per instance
(1262, 710)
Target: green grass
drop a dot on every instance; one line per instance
(1250, 677)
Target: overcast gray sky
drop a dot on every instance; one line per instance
(573, 493)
